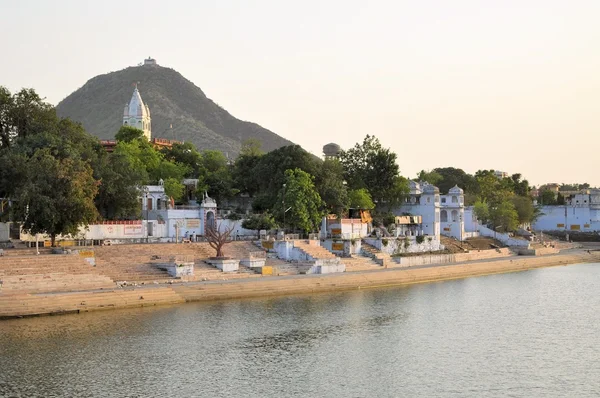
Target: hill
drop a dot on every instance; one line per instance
(173, 101)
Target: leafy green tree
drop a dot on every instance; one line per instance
(361, 199)
(432, 177)
(23, 114)
(257, 222)
(482, 211)
(57, 196)
(251, 147)
(174, 188)
(118, 188)
(504, 217)
(547, 197)
(187, 155)
(452, 176)
(525, 209)
(369, 165)
(128, 134)
(332, 187)
(217, 179)
(306, 206)
(270, 173)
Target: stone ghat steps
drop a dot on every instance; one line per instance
(314, 250)
(360, 263)
(55, 282)
(73, 263)
(24, 305)
(377, 255)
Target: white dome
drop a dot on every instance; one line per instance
(456, 190)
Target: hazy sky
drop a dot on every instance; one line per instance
(509, 85)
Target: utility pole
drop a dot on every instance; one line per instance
(283, 202)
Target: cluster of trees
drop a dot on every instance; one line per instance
(59, 177)
(502, 203)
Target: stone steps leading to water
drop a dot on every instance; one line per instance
(34, 304)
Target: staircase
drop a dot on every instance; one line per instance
(137, 263)
(381, 258)
(360, 263)
(315, 251)
(36, 304)
(49, 273)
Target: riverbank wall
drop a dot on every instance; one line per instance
(20, 305)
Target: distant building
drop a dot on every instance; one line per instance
(581, 212)
(332, 151)
(150, 61)
(500, 174)
(137, 114)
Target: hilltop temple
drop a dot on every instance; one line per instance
(137, 114)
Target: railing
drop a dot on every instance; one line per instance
(313, 236)
(292, 236)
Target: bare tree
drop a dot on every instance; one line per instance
(217, 239)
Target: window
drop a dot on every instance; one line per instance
(443, 200)
(428, 199)
(454, 199)
(454, 216)
(437, 198)
(444, 216)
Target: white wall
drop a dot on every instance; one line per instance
(504, 238)
(576, 219)
(397, 246)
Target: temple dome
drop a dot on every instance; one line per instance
(456, 190)
(136, 106)
(430, 189)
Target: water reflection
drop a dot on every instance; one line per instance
(524, 334)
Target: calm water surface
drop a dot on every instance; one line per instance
(528, 334)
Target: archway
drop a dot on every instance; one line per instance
(210, 219)
(443, 216)
(454, 216)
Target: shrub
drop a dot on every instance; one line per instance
(420, 239)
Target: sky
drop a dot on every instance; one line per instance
(475, 84)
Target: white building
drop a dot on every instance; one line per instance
(424, 201)
(580, 213)
(452, 213)
(439, 214)
(137, 114)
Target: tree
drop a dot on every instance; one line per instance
(257, 222)
(369, 165)
(452, 176)
(331, 186)
(118, 187)
(187, 155)
(57, 196)
(304, 202)
(23, 114)
(482, 211)
(218, 239)
(270, 173)
(547, 197)
(361, 199)
(504, 217)
(128, 134)
(174, 188)
(218, 177)
(432, 177)
(525, 209)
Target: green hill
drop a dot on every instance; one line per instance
(173, 101)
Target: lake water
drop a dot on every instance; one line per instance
(527, 334)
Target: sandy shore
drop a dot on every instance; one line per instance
(20, 305)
